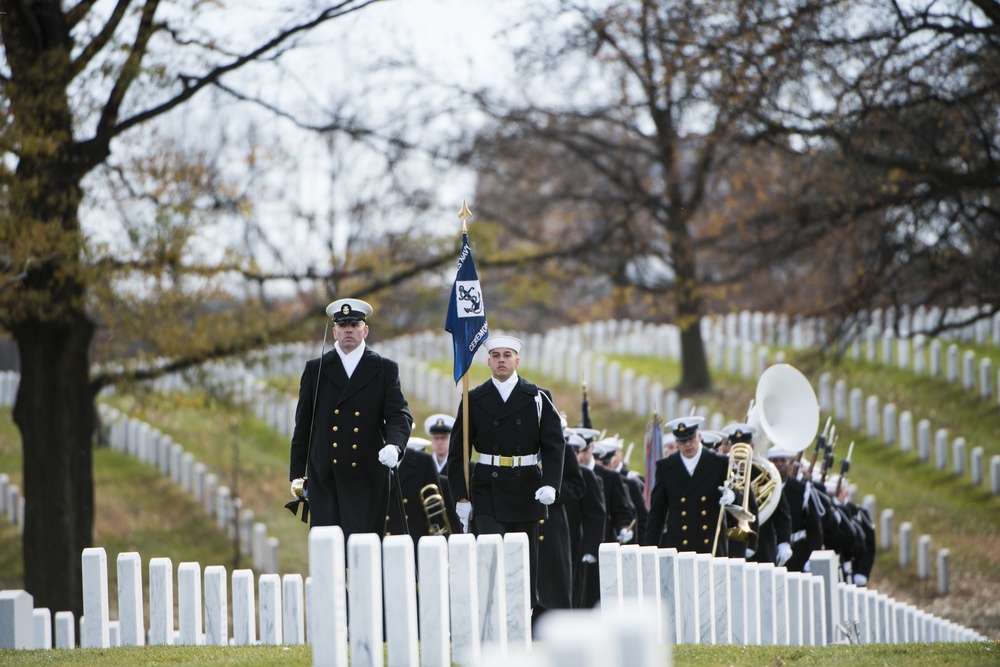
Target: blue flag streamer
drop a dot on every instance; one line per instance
(466, 312)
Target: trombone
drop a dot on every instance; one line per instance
(738, 478)
(434, 508)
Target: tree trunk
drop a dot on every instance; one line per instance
(55, 412)
(695, 374)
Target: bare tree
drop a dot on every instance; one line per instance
(84, 88)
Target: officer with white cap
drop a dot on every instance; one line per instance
(352, 423)
(514, 427)
(690, 488)
(438, 427)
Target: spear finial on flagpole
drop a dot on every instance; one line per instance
(465, 215)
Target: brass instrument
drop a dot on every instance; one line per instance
(738, 478)
(434, 508)
(766, 488)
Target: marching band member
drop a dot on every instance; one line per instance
(587, 519)
(555, 554)
(620, 525)
(774, 538)
(415, 471)
(614, 460)
(806, 528)
(691, 489)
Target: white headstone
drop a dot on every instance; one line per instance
(669, 592)
(65, 630)
(905, 544)
(826, 564)
(269, 595)
(364, 599)
(41, 628)
(189, 606)
(435, 619)
(95, 599)
(517, 594)
(131, 615)
(687, 598)
(17, 623)
(464, 599)
(216, 606)
(161, 601)
(705, 585)
(293, 629)
(244, 609)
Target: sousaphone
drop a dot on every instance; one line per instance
(784, 414)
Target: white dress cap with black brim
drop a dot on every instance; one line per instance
(739, 432)
(347, 311)
(439, 423)
(712, 439)
(576, 441)
(776, 453)
(417, 443)
(684, 428)
(587, 434)
(493, 342)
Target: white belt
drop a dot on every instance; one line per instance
(798, 536)
(508, 461)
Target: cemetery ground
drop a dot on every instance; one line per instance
(138, 509)
(981, 654)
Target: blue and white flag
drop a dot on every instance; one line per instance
(466, 312)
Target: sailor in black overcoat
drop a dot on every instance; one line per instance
(685, 505)
(360, 427)
(517, 434)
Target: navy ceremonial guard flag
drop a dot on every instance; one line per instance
(466, 312)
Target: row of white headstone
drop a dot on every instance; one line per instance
(149, 445)
(933, 359)
(860, 414)
(11, 502)
(474, 603)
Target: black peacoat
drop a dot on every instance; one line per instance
(355, 418)
(684, 509)
(511, 428)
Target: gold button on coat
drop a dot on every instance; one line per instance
(355, 429)
(357, 414)
(335, 428)
(336, 412)
(354, 464)
(335, 445)
(354, 446)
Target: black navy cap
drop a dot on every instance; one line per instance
(346, 311)
(684, 428)
(439, 423)
(739, 432)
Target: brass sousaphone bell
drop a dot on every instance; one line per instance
(784, 414)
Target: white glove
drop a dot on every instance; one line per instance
(589, 558)
(728, 496)
(546, 495)
(298, 487)
(807, 567)
(750, 552)
(625, 536)
(464, 510)
(389, 456)
(860, 579)
(632, 474)
(784, 553)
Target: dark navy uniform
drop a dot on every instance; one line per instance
(355, 418)
(555, 560)
(415, 471)
(683, 508)
(807, 528)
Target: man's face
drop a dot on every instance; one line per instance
(689, 448)
(350, 335)
(669, 446)
(781, 463)
(584, 456)
(725, 447)
(439, 443)
(503, 361)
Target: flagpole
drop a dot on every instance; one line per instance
(464, 215)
